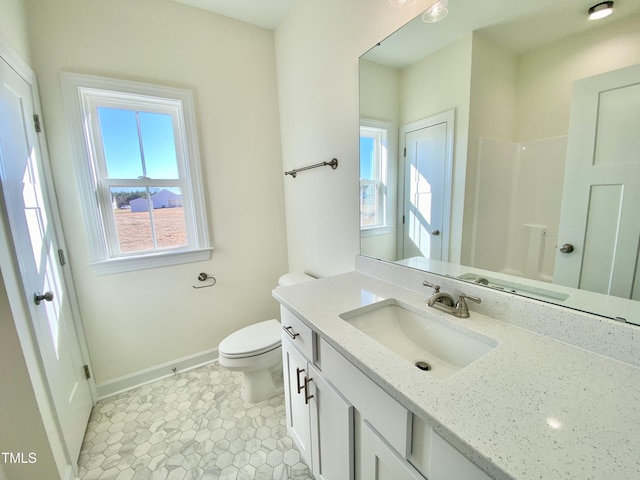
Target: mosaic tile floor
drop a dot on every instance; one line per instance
(192, 426)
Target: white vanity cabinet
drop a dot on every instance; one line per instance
(348, 427)
(319, 419)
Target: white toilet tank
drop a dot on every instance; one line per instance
(293, 278)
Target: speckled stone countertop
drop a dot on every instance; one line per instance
(533, 407)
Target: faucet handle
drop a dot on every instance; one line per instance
(436, 288)
(470, 297)
(463, 297)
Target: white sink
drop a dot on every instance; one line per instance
(416, 336)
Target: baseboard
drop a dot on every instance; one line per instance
(148, 375)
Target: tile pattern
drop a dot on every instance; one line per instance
(192, 426)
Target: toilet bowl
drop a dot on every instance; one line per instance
(256, 351)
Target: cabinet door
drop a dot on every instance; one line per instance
(297, 411)
(381, 462)
(331, 430)
(435, 458)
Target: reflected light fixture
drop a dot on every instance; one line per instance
(436, 12)
(399, 3)
(600, 10)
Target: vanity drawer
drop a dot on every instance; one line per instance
(376, 406)
(300, 335)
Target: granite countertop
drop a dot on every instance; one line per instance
(533, 407)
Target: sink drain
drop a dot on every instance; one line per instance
(423, 366)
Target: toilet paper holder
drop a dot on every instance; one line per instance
(203, 277)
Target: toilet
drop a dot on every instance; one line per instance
(256, 351)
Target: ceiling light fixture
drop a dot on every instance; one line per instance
(399, 3)
(436, 12)
(600, 10)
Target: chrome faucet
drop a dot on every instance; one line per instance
(444, 301)
(438, 296)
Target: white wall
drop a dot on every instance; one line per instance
(380, 100)
(13, 27)
(492, 114)
(317, 48)
(545, 76)
(137, 320)
(438, 83)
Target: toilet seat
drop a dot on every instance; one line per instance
(253, 340)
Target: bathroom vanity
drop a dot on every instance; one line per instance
(525, 406)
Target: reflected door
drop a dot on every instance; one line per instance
(427, 188)
(599, 236)
(29, 212)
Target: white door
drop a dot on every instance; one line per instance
(28, 209)
(427, 146)
(598, 241)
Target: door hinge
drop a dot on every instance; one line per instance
(405, 151)
(87, 374)
(36, 123)
(403, 219)
(61, 257)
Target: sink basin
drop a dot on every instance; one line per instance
(439, 347)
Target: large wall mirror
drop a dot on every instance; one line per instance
(501, 146)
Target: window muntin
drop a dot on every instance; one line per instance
(148, 219)
(139, 158)
(138, 143)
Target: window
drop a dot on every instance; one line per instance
(375, 191)
(137, 155)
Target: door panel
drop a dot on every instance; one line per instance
(428, 159)
(28, 210)
(601, 190)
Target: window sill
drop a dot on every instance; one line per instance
(373, 231)
(130, 264)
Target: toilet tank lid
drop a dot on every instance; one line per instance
(292, 278)
(253, 339)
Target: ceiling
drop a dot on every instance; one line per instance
(518, 25)
(263, 13)
(504, 21)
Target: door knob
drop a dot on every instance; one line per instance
(46, 296)
(435, 233)
(566, 248)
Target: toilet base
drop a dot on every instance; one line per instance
(260, 385)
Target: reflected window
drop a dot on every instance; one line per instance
(142, 165)
(374, 168)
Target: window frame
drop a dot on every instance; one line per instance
(83, 94)
(384, 185)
